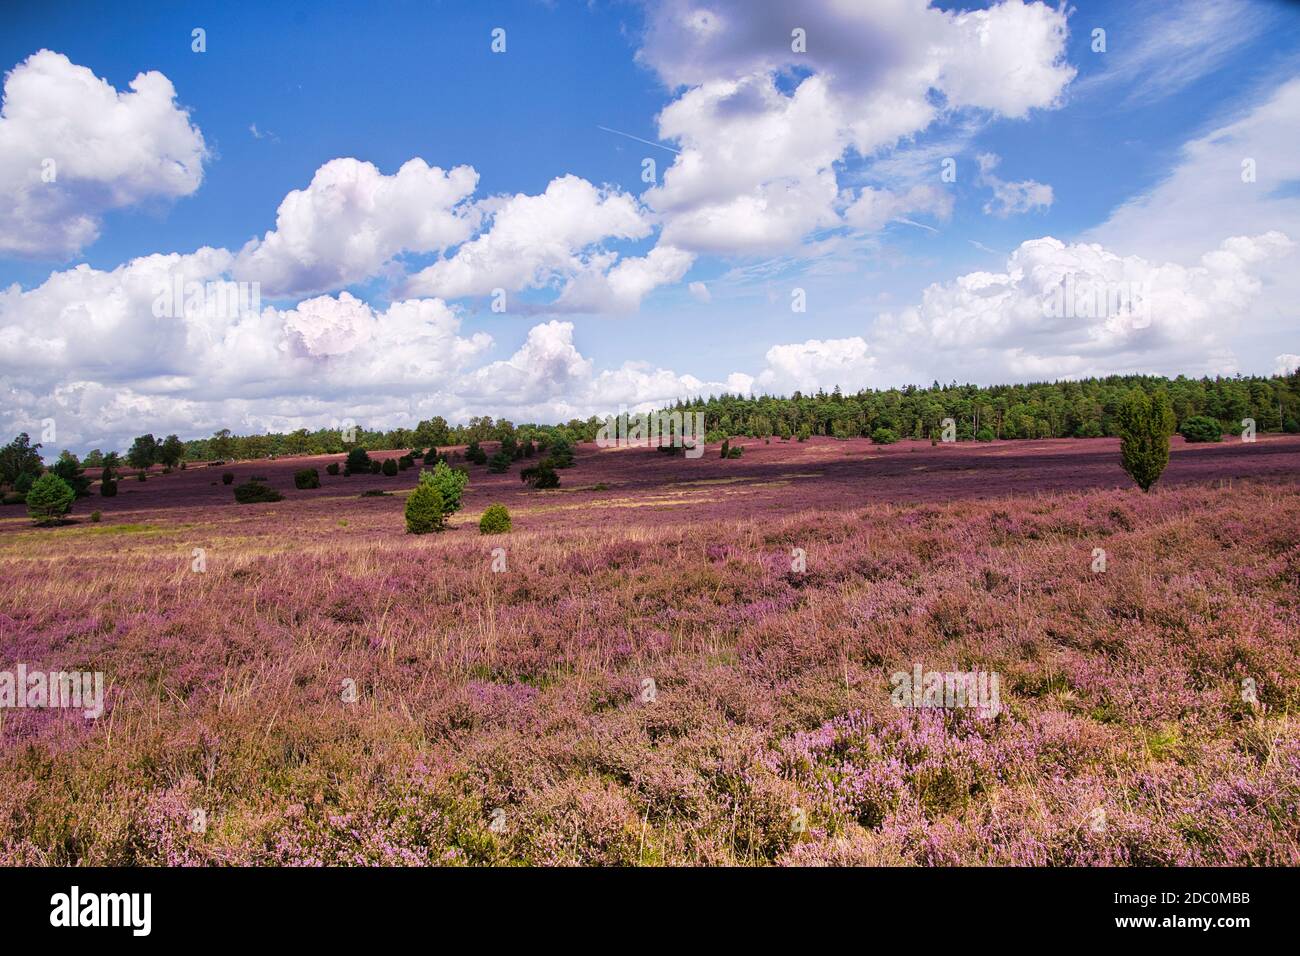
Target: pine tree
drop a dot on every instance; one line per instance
(1146, 423)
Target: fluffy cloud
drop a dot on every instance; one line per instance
(873, 208)
(533, 240)
(352, 219)
(817, 363)
(755, 173)
(1285, 363)
(1010, 198)
(1062, 310)
(72, 147)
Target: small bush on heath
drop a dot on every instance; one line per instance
(495, 520)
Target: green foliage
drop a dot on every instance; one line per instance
(425, 508)
(332, 468)
(450, 484)
(735, 451)
(143, 452)
(19, 457)
(254, 492)
(540, 475)
(726, 447)
(49, 499)
(141, 476)
(358, 461)
(561, 453)
(390, 467)
(495, 520)
(475, 454)
(227, 477)
(306, 478)
(985, 434)
(95, 516)
(405, 462)
(376, 466)
(69, 469)
(171, 451)
(805, 432)
(13, 498)
(1201, 428)
(884, 436)
(107, 486)
(499, 463)
(1146, 423)
(24, 482)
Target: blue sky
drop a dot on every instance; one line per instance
(816, 170)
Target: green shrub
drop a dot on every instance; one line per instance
(95, 516)
(540, 475)
(141, 476)
(424, 508)
(884, 436)
(985, 434)
(404, 462)
(358, 462)
(108, 488)
(389, 467)
(306, 478)
(499, 463)
(450, 483)
(227, 477)
(376, 493)
(1145, 424)
(23, 483)
(332, 468)
(376, 466)
(735, 451)
(254, 492)
(14, 498)
(495, 520)
(726, 447)
(805, 432)
(1201, 428)
(475, 454)
(49, 499)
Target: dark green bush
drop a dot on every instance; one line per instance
(985, 434)
(227, 477)
(495, 520)
(540, 475)
(1145, 424)
(332, 468)
(358, 461)
(306, 478)
(254, 492)
(389, 467)
(1201, 428)
(95, 516)
(499, 463)
(108, 488)
(884, 436)
(376, 466)
(424, 508)
(49, 499)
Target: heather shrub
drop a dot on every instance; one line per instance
(332, 468)
(450, 484)
(389, 467)
(540, 475)
(49, 499)
(1201, 428)
(358, 461)
(495, 520)
(884, 436)
(228, 478)
(254, 492)
(1145, 424)
(424, 508)
(306, 478)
